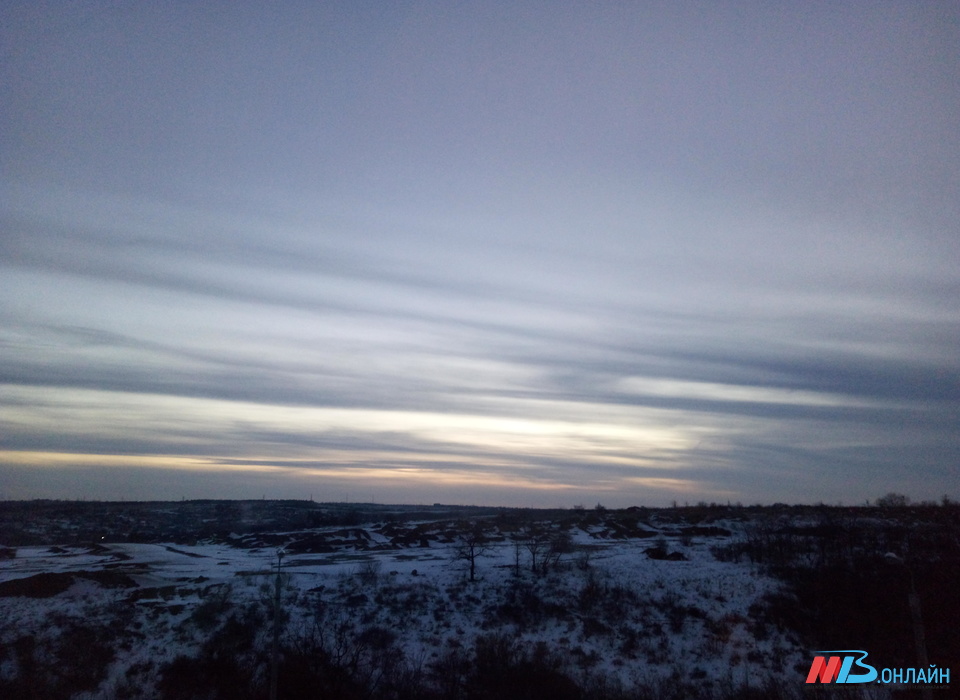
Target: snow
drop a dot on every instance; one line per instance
(620, 613)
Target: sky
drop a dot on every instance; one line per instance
(495, 253)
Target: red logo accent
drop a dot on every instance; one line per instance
(827, 671)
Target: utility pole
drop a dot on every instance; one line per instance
(916, 617)
(919, 637)
(275, 659)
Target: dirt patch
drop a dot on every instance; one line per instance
(108, 579)
(705, 531)
(47, 585)
(186, 554)
(36, 586)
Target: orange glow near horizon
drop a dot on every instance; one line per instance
(534, 452)
(370, 467)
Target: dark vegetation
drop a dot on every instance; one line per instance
(187, 522)
(851, 575)
(59, 666)
(845, 591)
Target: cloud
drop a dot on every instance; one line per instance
(600, 248)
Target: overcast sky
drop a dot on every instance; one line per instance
(508, 253)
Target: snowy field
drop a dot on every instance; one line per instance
(103, 601)
(628, 609)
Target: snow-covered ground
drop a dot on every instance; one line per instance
(605, 608)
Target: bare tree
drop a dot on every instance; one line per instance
(471, 543)
(517, 548)
(893, 500)
(546, 546)
(560, 543)
(537, 543)
(535, 547)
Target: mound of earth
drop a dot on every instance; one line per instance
(47, 585)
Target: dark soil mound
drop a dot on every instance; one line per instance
(51, 584)
(37, 586)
